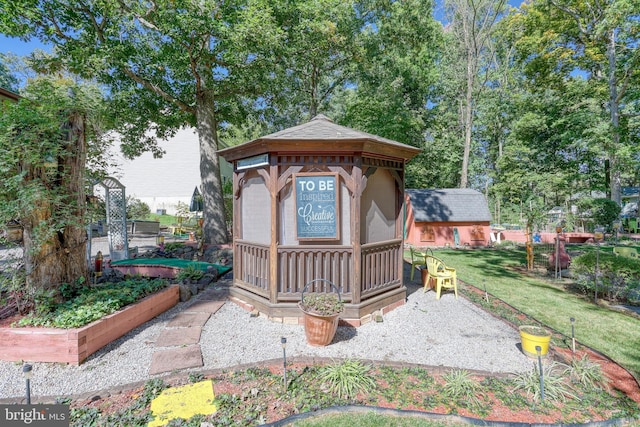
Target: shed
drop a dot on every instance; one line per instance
(447, 217)
(8, 95)
(318, 201)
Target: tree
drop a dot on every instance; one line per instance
(600, 39)
(394, 80)
(472, 23)
(43, 151)
(321, 48)
(7, 80)
(166, 64)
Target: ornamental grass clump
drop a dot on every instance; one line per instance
(586, 373)
(461, 387)
(554, 380)
(348, 378)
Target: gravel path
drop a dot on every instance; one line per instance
(445, 332)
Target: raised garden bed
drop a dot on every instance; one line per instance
(75, 345)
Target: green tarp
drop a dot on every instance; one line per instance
(173, 262)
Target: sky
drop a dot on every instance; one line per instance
(19, 47)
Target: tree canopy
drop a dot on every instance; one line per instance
(536, 103)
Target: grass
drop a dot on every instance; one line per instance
(165, 220)
(615, 334)
(370, 419)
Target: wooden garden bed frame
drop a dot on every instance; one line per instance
(74, 346)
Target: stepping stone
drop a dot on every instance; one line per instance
(171, 337)
(176, 358)
(185, 320)
(205, 307)
(215, 295)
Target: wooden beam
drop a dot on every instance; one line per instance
(356, 176)
(272, 181)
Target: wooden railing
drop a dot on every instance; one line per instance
(253, 266)
(380, 263)
(298, 265)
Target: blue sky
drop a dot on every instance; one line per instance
(19, 47)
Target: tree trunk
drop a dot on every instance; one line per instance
(62, 258)
(467, 122)
(214, 229)
(614, 170)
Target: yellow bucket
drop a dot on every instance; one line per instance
(532, 336)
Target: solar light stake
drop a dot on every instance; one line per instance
(558, 268)
(26, 371)
(539, 350)
(598, 235)
(573, 335)
(595, 295)
(283, 341)
(486, 295)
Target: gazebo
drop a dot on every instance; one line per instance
(318, 201)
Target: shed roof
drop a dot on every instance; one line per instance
(320, 134)
(7, 94)
(449, 205)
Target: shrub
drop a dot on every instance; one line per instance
(604, 211)
(190, 273)
(137, 209)
(619, 278)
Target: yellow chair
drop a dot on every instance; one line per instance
(444, 276)
(418, 259)
(625, 251)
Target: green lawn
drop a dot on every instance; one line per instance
(165, 220)
(371, 419)
(615, 334)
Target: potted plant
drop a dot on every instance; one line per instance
(532, 336)
(321, 312)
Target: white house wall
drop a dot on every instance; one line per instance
(162, 183)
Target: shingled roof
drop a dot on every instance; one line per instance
(320, 134)
(449, 205)
(322, 127)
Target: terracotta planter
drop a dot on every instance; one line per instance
(319, 329)
(532, 336)
(320, 316)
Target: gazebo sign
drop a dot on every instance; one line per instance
(317, 209)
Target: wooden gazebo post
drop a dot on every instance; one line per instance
(273, 248)
(355, 229)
